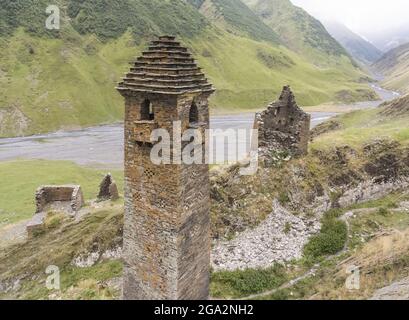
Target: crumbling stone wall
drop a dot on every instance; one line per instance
(166, 248)
(283, 126)
(108, 190)
(47, 195)
(68, 199)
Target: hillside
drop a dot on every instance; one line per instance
(235, 17)
(394, 66)
(355, 128)
(359, 48)
(51, 80)
(299, 31)
(345, 203)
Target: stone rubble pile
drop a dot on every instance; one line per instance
(280, 238)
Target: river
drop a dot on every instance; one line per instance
(102, 146)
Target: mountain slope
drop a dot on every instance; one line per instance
(51, 80)
(359, 48)
(394, 65)
(237, 18)
(107, 19)
(298, 30)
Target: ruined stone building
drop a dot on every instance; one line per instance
(108, 190)
(67, 199)
(167, 214)
(283, 127)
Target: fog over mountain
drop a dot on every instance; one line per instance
(361, 49)
(383, 23)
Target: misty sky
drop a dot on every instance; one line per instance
(365, 17)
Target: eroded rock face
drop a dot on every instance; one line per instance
(13, 122)
(325, 127)
(384, 160)
(108, 190)
(283, 127)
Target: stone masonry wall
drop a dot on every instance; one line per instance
(167, 221)
(46, 195)
(283, 126)
(167, 214)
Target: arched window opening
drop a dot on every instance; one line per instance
(147, 112)
(193, 114)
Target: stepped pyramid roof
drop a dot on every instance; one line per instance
(166, 68)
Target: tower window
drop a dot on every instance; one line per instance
(193, 114)
(147, 112)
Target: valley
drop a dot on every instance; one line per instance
(331, 186)
(89, 147)
(325, 205)
(65, 80)
(394, 66)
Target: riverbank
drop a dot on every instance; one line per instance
(102, 146)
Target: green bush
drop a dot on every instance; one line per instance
(287, 227)
(383, 211)
(283, 198)
(246, 282)
(329, 241)
(54, 220)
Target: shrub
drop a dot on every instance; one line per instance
(383, 211)
(329, 241)
(283, 198)
(245, 282)
(287, 228)
(53, 220)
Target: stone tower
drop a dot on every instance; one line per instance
(167, 213)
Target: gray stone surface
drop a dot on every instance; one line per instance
(280, 238)
(396, 291)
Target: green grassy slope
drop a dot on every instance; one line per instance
(356, 128)
(63, 240)
(48, 84)
(394, 65)
(105, 18)
(236, 18)
(248, 74)
(22, 178)
(299, 31)
(52, 80)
